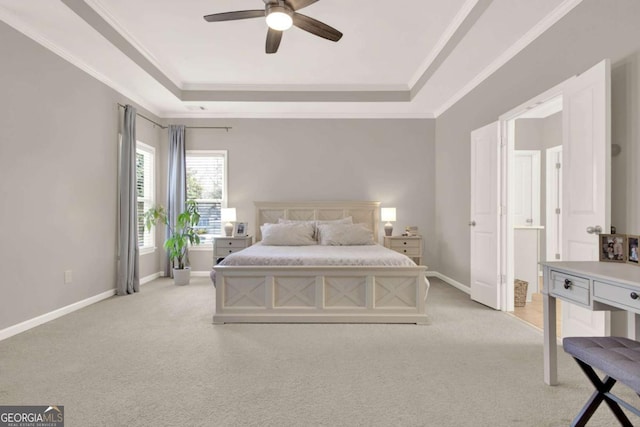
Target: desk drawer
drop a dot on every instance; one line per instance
(569, 287)
(617, 295)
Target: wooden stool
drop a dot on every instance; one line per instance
(619, 359)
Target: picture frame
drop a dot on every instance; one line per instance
(613, 247)
(632, 249)
(240, 229)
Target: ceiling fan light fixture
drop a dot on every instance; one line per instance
(279, 18)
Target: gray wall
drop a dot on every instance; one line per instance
(58, 151)
(391, 161)
(594, 30)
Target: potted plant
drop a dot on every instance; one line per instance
(182, 234)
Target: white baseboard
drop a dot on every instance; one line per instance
(450, 281)
(37, 321)
(149, 278)
(200, 273)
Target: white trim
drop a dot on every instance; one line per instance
(448, 280)
(542, 26)
(52, 315)
(296, 115)
(200, 273)
(151, 277)
(449, 32)
(147, 250)
(101, 10)
(34, 35)
(201, 247)
(37, 321)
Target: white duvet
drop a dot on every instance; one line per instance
(370, 255)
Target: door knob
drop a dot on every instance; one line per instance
(594, 230)
(472, 223)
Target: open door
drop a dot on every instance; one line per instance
(484, 224)
(586, 160)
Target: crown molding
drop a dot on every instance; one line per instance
(36, 36)
(556, 15)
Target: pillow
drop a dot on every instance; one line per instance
(347, 220)
(293, 234)
(345, 234)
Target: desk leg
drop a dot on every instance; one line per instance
(550, 340)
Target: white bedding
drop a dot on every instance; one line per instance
(316, 255)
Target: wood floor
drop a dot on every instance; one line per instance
(532, 313)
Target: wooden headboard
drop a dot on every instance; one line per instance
(367, 213)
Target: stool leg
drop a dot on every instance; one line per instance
(602, 387)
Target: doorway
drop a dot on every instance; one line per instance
(585, 101)
(536, 210)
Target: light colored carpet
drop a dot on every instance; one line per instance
(155, 359)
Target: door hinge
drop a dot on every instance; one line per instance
(502, 278)
(558, 211)
(558, 256)
(558, 165)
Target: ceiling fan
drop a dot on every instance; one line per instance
(280, 16)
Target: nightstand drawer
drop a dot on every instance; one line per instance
(571, 288)
(399, 245)
(410, 252)
(230, 243)
(223, 252)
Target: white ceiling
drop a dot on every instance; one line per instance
(410, 58)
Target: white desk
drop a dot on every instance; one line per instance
(590, 284)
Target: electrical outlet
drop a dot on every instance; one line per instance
(68, 276)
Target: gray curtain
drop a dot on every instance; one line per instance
(177, 179)
(128, 277)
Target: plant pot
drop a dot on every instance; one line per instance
(181, 276)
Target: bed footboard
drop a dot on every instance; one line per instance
(331, 294)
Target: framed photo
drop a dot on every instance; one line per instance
(240, 229)
(632, 249)
(613, 247)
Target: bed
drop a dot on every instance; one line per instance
(319, 283)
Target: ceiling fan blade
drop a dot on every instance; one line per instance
(233, 16)
(299, 4)
(273, 40)
(316, 27)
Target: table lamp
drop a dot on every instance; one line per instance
(228, 216)
(388, 215)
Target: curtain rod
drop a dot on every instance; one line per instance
(187, 127)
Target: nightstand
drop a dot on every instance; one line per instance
(409, 246)
(223, 246)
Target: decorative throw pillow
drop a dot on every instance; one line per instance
(293, 234)
(345, 234)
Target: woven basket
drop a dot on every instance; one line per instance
(520, 293)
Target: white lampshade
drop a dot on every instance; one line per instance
(228, 214)
(388, 214)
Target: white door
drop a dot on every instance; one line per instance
(553, 225)
(485, 221)
(586, 195)
(526, 203)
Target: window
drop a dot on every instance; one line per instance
(207, 185)
(145, 185)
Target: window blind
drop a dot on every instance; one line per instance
(206, 185)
